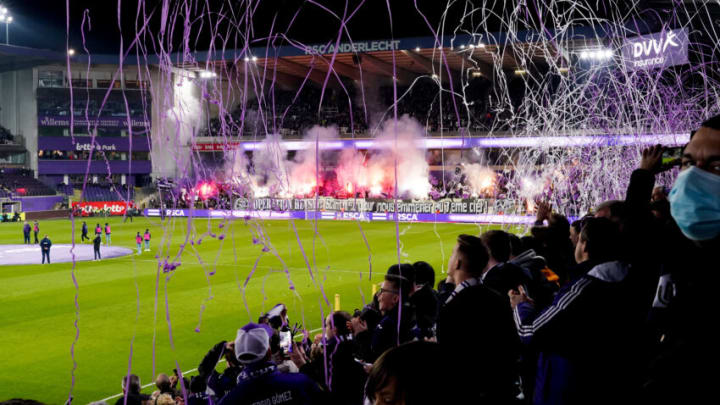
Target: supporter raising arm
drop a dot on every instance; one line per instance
(220, 383)
(684, 298)
(582, 337)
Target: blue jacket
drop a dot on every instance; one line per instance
(584, 339)
(261, 383)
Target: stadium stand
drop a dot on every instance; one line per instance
(297, 112)
(23, 185)
(5, 136)
(95, 192)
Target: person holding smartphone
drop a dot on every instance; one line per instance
(348, 375)
(682, 303)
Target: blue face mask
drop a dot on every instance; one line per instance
(695, 203)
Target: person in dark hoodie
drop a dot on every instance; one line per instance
(260, 382)
(476, 332)
(585, 353)
(345, 378)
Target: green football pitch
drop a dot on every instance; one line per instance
(132, 313)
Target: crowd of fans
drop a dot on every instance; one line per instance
(295, 113)
(85, 155)
(94, 102)
(611, 308)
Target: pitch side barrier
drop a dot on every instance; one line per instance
(485, 210)
(344, 216)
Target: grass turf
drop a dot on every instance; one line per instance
(122, 301)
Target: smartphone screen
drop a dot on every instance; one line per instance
(285, 340)
(672, 156)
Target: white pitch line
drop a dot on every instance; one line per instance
(184, 373)
(279, 268)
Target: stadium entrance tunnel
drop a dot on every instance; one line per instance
(60, 253)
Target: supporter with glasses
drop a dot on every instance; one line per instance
(395, 326)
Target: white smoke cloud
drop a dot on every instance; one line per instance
(374, 174)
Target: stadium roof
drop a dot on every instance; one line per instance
(402, 58)
(17, 58)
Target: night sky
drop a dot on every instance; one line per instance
(42, 23)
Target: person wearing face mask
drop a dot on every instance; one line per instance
(685, 300)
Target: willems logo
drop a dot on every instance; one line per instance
(662, 49)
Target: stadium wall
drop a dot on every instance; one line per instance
(45, 203)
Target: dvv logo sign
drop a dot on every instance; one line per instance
(662, 49)
(655, 47)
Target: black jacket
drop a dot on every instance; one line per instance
(133, 399)
(346, 376)
(370, 344)
(220, 384)
(477, 333)
(425, 304)
(505, 277)
(96, 242)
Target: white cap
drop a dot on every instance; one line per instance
(252, 342)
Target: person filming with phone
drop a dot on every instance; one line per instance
(682, 304)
